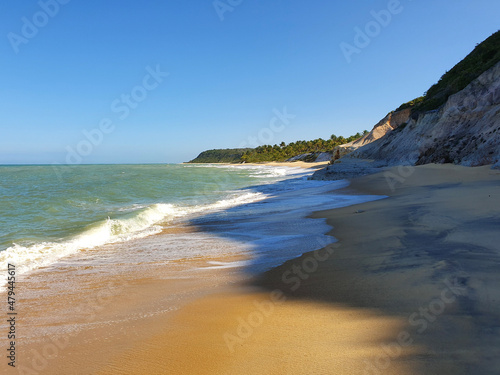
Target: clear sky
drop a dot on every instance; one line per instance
(100, 67)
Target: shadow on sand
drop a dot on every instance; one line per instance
(386, 260)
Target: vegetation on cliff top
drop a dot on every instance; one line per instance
(285, 151)
(482, 58)
(230, 155)
(279, 152)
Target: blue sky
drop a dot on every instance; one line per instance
(68, 67)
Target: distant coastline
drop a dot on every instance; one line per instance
(456, 121)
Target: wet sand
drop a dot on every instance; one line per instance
(411, 287)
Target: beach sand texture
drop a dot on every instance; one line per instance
(411, 287)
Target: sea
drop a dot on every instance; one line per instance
(261, 211)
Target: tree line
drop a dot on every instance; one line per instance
(285, 151)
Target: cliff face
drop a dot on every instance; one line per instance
(466, 130)
(390, 122)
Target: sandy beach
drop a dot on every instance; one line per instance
(411, 287)
(250, 188)
(299, 164)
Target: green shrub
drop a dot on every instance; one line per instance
(482, 58)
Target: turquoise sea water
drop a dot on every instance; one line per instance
(49, 213)
(45, 214)
(37, 206)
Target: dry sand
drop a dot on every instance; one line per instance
(427, 256)
(299, 164)
(411, 287)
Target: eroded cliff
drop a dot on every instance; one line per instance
(466, 130)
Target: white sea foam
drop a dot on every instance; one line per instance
(280, 228)
(141, 223)
(223, 265)
(273, 231)
(258, 171)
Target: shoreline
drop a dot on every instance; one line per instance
(299, 164)
(425, 256)
(362, 309)
(96, 295)
(337, 309)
